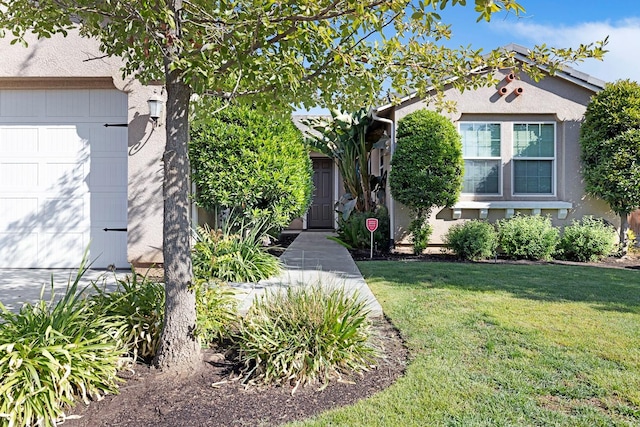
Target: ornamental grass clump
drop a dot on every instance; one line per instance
(233, 253)
(53, 354)
(139, 303)
(590, 239)
(528, 237)
(473, 240)
(216, 311)
(305, 335)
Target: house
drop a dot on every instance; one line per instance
(80, 159)
(521, 151)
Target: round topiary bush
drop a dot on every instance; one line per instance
(528, 237)
(427, 168)
(472, 240)
(590, 239)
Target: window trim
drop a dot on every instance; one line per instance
(500, 192)
(554, 160)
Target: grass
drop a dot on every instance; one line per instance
(507, 345)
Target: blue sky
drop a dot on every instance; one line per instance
(561, 23)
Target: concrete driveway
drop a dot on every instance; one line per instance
(18, 286)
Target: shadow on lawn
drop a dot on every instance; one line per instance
(608, 289)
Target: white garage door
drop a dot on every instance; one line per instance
(63, 178)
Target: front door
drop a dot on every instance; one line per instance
(321, 210)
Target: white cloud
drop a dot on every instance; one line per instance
(622, 61)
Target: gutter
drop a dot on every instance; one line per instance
(392, 148)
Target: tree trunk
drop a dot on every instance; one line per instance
(624, 227)
(179, 350)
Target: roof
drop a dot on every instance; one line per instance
(522, 54)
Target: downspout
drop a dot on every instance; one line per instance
(392, 148)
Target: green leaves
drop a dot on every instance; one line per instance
(305, 335)
(276, 54)
(234, 252)
(249, 162)
(427, 167)
(610, 146)
(527, 237)
(55, 353)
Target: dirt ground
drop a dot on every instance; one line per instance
(213, 396)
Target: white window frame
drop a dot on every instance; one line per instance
(499, 159)
(554, 174)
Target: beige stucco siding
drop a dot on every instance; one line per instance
(75, 62)
(554, 100)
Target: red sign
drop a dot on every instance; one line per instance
(372, 224)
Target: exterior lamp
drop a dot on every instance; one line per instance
(155, 108)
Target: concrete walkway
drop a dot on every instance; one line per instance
(18, 286)
(310, 259)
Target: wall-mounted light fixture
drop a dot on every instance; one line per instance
(155, 107)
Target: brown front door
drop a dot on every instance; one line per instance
(321, 210)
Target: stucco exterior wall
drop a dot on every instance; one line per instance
(76, 62)
(552, 100)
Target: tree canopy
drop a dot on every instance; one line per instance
(275, 55)
(610, 148)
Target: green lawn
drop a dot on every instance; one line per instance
(507, 345)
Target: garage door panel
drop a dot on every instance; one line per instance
(107, 103)
(18, 176)
(22, 103)
(65, 179)
(109, 141)
(18, 249)
(67, 103)
(104, 246)
(64, 214)
(109, 210)
(64, 141)
(18, 141)
(62, 250)
(107, 174)
(18, 213)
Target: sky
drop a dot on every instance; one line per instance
(560, 23)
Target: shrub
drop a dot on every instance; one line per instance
(53, 353)
(472, 240)
(527, 237)
(353, 231)
(254, 164)
(139, 303)
(216, 311)
(427, 168)
(233, 253)
(590, 239)
(305, 335)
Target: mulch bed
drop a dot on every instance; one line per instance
(214, 396)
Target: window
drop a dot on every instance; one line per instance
(533, 158)
(482, 161)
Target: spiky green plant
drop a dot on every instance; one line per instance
(233, 253)
(216, 310)
(139, 303)
(304, 335)
(55, 353)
